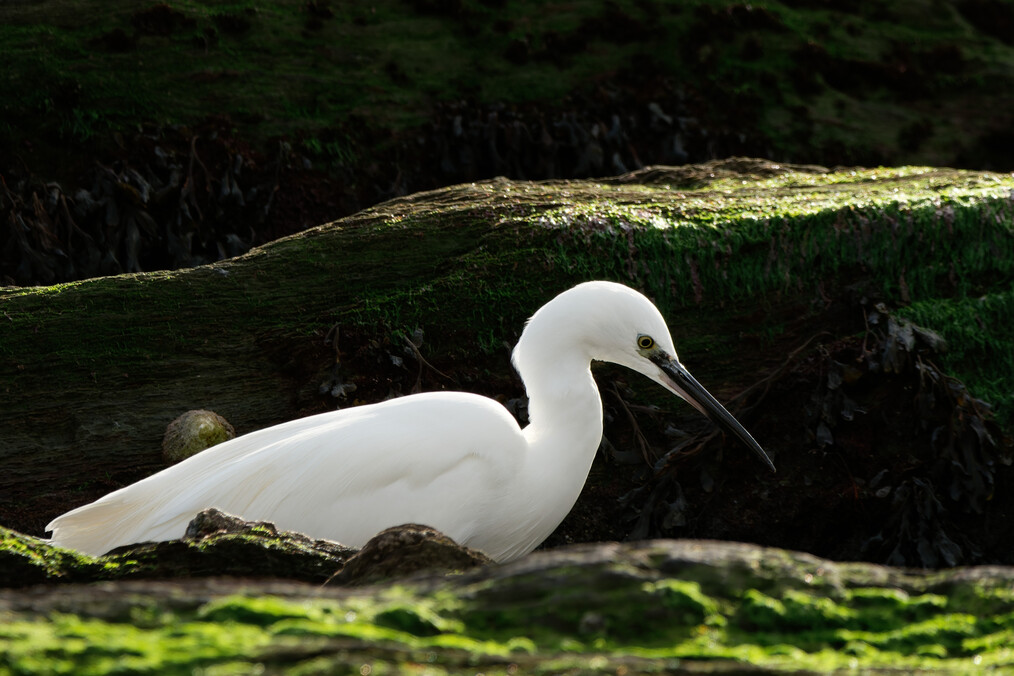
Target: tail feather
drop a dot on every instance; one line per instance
(115, 520)
(160, 506)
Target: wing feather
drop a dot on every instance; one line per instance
(346, 475)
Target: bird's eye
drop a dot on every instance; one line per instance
(645, 342)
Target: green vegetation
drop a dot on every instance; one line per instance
(256, 552)
(596, 614)
(911, 234)
(30, 561)
(980, 344)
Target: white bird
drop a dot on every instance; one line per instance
(454, 461)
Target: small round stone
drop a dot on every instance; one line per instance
(193, 432)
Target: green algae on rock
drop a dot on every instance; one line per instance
(653, 606)
(214, 544)
(193, 432)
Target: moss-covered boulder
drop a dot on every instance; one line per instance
(654, 607)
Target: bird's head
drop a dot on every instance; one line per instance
(605, 321)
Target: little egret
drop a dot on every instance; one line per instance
(454, 461)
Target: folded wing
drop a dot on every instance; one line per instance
(432, 459)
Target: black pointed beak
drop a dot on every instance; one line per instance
(679, 380)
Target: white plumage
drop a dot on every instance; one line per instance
(454, 461)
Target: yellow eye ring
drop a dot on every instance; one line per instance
(645, 342)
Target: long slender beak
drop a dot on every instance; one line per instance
(679, 380)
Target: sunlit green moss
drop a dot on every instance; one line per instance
(455, 629)
(32, 561)
(980, 343)
(689, 604)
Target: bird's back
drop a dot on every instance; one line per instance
(433, 458)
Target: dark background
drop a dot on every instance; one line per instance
(138, 137)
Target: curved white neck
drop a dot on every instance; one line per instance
(565, 429)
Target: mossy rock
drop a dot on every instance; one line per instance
(661, 606)
(193, 432)
(215, 544)
(406, 550)
(219, 544)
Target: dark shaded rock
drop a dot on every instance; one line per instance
(319, 9)
(212, 523)
(161, 20)
(216, 522)
(234, 24)
(26, 561)
(116, 40)
(405, 550)
(217, 544)
(992, 17)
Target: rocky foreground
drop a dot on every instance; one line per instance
(662, 606)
